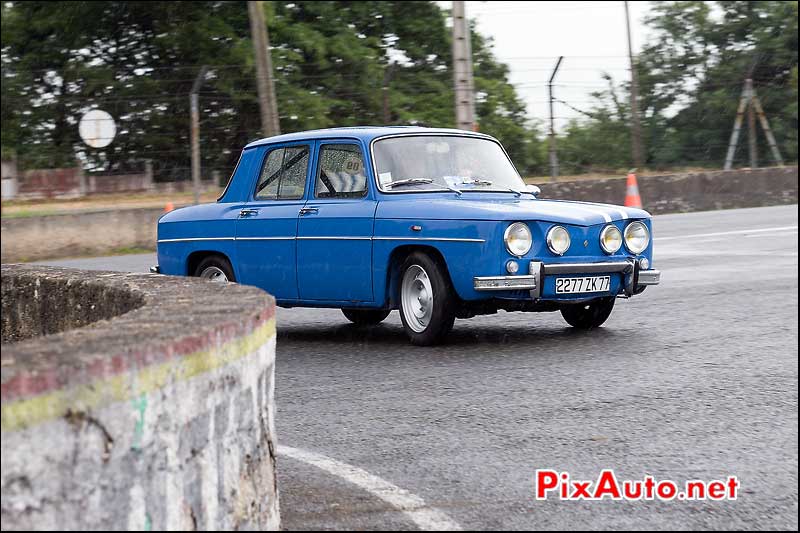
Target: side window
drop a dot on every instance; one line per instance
(293, 180)
(341, 172)
(283, 176)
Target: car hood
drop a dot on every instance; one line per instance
(559, 211)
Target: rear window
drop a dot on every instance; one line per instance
(283, 174)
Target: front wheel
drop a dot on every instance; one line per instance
(427, 300)
(215, 268)
(365, 317)
(588, 315)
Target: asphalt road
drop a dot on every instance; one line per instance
(694, 379)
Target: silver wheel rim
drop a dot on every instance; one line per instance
(214, 274)
(417, 298)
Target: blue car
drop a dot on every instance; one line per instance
(436, 223)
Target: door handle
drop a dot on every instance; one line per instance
(248, 212)
(308, 210)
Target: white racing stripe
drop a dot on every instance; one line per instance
(560, 207)
(603, 209)
(723, 233)
(414, 507)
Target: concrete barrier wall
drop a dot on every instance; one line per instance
(35, 238)
(75, 234)
(679, 193)
(159, 418)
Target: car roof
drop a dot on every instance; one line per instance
(364, 133)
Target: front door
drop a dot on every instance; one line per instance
(267, 225)
(334, 232)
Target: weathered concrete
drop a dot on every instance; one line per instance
(680, 193)
(40, 305)
(74, 234)
(159, 417)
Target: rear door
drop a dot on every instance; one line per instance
(266, 228)
(334, 235)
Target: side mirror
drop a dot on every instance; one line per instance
(534, 189)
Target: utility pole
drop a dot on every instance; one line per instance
(387, 76)
(762, 118)
(737, 125)
(636, 127)
(463, 84)
(553, 154)
(751, 127)
(266, 87)
(750, 101)
(194, 105)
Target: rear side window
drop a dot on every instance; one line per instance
(283, 175)
(341, 172)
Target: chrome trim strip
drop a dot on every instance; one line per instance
(445, 239)
(264, 238)
(331, 238)
(649, 277)
(189, 239)
(510, 283)
(321, 238)
(588, 268)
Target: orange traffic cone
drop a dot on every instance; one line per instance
(632, 198)
(169, 207)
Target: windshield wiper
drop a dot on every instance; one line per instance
(419, 181)
(409, 181)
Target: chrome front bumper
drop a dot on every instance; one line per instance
(537, 271)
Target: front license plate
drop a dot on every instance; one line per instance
(583, 285)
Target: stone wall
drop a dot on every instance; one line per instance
(160, 417)
(680, 193)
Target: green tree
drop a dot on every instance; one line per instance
(691, 77)
(138, 61)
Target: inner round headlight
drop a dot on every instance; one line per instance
(558, 240)
(518, 239)
(610, 239)
(637, 237)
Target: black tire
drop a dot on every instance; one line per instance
(366, 317)
(590, 314)
(215, 261)
(442, 315)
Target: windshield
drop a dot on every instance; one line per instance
(415, 163)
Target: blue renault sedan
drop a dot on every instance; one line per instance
(436, 223)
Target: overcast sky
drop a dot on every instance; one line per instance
(529, 37)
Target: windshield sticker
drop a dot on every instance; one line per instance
(385, 178)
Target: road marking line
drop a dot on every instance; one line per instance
(721, 233)
(426, 518)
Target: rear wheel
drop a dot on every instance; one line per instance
(365, 317)
(427, 300)
(588, 315)
(215, 268)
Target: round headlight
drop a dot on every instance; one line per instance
(558, 240)
(518, 239)
(610, 239)
(637, 237)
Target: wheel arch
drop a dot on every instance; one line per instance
(396, 259)
(194, 259)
